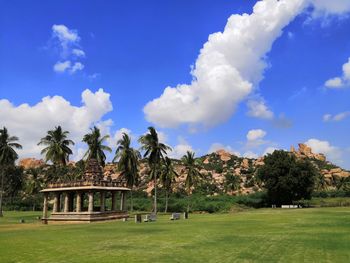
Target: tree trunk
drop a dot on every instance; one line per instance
(1, 189)
(155, 192)
(188, 203)
(166, 202)
(131, 201)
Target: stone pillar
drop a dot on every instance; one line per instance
(45, 207)
(78, 202)
(102, 201)
(114, 204)
(91, 202)
(71, 202)
(66, 203)
(56, 203)
(122, 201)
(82, 201)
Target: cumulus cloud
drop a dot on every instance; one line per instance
(229, 66)
(65, 35)
(254, 135)
(250, 154)
(76, 67)
(68, 44)
(180, 149)
(332, 153)
(61, 67)
(258, 109)
(342, 81)
(330, 7)
(337, 117)
(269, 150)
(31, 122)
(67, 66)
(78, 52)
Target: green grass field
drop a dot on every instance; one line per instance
(262, 235)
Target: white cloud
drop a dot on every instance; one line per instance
(338, 117)
(61, 67)
(218, 146)
(65, 35)
(76, 67)
(30, 123)
(67, 66)
(78, 52)
(332, 153)
(68, 44)
(180, 149)
(229, 65)
(250, 154)
(342, 81)
(254, 135)
(269, 150)
(118, 135)
(258, 109)
(330, 7)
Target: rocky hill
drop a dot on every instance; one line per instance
(225, 172)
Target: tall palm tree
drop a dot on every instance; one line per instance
(96, 147)
(8, 156)
(154, 152)
(57, 146)
(167, 177)
(128, 162)
(192, 173)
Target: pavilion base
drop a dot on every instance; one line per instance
(86, 216)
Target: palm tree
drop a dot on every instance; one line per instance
(8, 156)
(128, 162)
(167, 177)
(96, 147)
(192, 173)
(57, 146)
(154, 152)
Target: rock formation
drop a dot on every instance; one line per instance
(28, 163)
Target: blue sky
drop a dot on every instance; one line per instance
(251, 89)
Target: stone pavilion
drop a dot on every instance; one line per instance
(85, 200)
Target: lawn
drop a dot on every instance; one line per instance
(262, 235)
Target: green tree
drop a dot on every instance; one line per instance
(34, 183)
(286, 178)
(154, 151)
(96, 147)
(57, 146)
(8, 156)
(128, 159)
(192, 173)
(232, 182)
(167, 177)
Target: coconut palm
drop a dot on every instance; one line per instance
(8, 156)
(128, 159)
(57, 146)
(168, 177)
(96, 147)
(192, 173)
(154, 152)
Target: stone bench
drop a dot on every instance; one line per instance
(175, 216)
(150, 218)
(289, 206)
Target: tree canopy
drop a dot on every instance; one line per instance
(96, 149)
(57, 146)
(287, 179)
